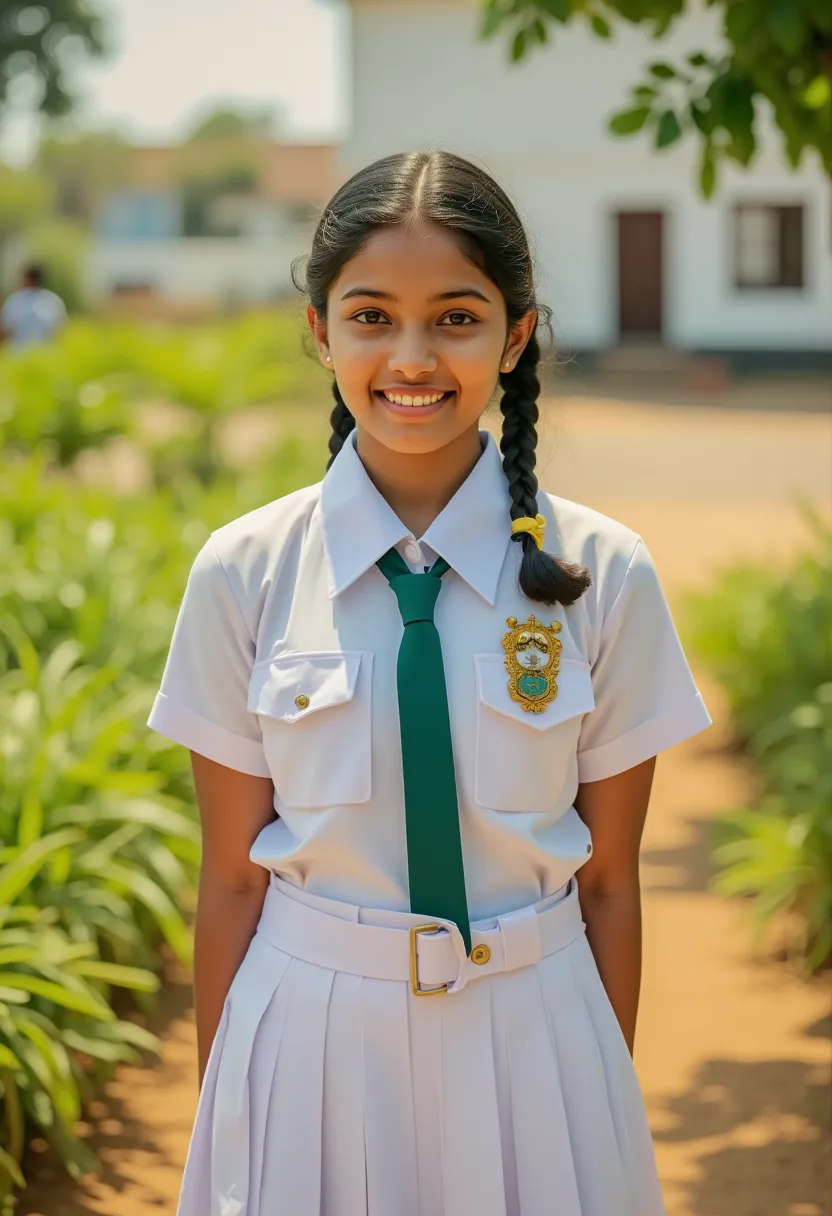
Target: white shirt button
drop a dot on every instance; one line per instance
(413, 551)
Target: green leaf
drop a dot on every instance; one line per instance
(707, 171)
(519, 44)
(645, 92)
(668, 130)
(561, 10)
(601, 26)
(117, 975)
(786, 23)
(627, 122)
(818, 93)
(58, 995)
(17, 874)
(12, 1168)
(493, 18)
(662, 71)
(703, 117)
(699, 60)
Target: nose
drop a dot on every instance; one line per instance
(412, 355)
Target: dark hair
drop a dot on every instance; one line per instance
(35, 272)
(442, 188)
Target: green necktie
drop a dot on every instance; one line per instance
(434, 845)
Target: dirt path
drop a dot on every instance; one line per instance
(732, 1051)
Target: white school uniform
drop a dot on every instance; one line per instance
(332, 1090)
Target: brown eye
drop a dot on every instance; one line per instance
(465, 316)
(371, 312)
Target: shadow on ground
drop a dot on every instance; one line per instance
(123, 1142)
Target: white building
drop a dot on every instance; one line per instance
(625, 245)
(156, 241)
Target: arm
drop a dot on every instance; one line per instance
(614, 809)
(233, 808)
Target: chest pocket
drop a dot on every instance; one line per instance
(523, 759)
(315, 715)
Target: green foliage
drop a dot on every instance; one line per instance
(43, 41)
(99, 839)
(768, 640)
(79, 391)
(777, 51)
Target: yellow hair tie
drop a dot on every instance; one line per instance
(535, 527)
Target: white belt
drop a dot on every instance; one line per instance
(430, 956)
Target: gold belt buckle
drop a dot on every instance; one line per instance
(414, 962)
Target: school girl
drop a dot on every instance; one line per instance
(423, 702)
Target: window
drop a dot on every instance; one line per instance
(768, 246)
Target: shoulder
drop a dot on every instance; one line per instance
(54, 301)
(12, 302)
(578, 533)
(252, 547)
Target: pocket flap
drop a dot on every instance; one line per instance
(574, 696)
(292, 686)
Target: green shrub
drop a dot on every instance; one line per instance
(99, 840)
(768, 639)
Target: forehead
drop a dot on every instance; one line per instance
(413, 263)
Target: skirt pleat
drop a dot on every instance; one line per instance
(583, 1085)
(197, 1193)
(625, 1099)
(389, 1130)
(343, 1155)
(251, 992)
(472, 1165)
(293, 1129)
(425, 1028)
(265, 1049)
(540, 1126)
(330, 1094)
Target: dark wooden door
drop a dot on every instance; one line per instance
(640, 273)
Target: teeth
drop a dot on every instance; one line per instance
(404, 399)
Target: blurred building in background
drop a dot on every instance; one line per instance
(208, 225)
(634, 263)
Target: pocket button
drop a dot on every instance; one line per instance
(301, 700)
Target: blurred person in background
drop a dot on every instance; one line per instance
(33, 314)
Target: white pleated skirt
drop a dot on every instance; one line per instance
(329, 1093)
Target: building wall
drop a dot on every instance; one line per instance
(540, 128)
(208, 270)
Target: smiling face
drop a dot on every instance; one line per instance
(417, 337)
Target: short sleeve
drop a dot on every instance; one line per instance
(646, 699)
(202, 699)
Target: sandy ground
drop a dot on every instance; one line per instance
(732, 1049)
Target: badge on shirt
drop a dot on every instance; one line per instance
(532, 662)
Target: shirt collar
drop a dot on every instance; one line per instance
(471, 533)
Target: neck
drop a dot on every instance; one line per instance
(419, 486)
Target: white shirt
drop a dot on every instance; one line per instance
(287, 602)
(32, 315)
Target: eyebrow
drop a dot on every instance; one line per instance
(435, 299)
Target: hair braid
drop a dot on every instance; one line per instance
(342, 423)
(551, 580)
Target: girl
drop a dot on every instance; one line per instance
(420, 696)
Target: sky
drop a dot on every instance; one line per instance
(170, 57)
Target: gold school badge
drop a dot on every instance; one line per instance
(532, 662)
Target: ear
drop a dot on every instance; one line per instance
(318, 329)
(519, 335)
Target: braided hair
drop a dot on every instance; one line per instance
(551, 580)
(445, 189)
